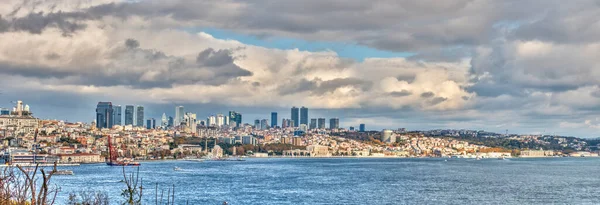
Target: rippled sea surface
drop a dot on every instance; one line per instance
(353, 181)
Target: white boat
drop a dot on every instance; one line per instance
(177, 169)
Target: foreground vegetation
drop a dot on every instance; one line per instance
(21, 186)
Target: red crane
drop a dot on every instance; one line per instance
(112, 157)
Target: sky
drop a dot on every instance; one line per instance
(529, 67)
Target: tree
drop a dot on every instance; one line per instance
(133, 193)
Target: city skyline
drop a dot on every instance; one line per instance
(489, 65)
(218, 120)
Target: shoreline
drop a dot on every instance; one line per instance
(367, 157)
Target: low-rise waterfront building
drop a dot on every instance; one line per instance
(80, 158)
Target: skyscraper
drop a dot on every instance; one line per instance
(170, 121)
(139, 116)
(313, 124)
(264, 124)
(211, 120)
(129, 114)
(303, 116)
(220, 120)
(235, 119)
(149, 124)
(179, 114)
(273, 119)
(104, 115)
(117, 115)
(164, 121)
(361, 128)
(238, 119)
(334, 123)
(285, 123)
(321, 124)
(257, 124)
(294, 117)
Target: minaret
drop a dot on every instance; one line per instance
(206, 145)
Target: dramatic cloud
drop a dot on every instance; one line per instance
(529, 66)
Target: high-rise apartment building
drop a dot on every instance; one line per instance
(313, 124)
(171, 121)
(220, 120)
(264, 124)
(151, 123)
(235, 119)
(117, 115)
(139, 116)
(212, 120)
(104, 115)
(361, 128)
(334, 123)
(295, 117)
(257, 124)
(273, 119)
(164, 121)
(179, 114)
(303, 116)
(285, 123)
(129, 110)
(321, 123)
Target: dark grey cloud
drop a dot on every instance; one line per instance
(409, 78)
(438, 100)
(301, 85)
(574, 23)
(320, 87)
(400, 93)
(456, 23)
(331, 85)
(133, 66)
(67, 22)
(132, 43)
(427, 94)
(489, 89)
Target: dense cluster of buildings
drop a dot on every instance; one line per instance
(220, 135)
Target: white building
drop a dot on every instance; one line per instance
(19, 124)
(178, 116)
(212, 120)
(220, 120)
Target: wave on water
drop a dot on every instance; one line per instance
(109, 181)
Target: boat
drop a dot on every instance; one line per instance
(114, 161)
(502, 158)
(177, 169)
(229, 159)
(122, 163)
(63, 172)
(478, 158)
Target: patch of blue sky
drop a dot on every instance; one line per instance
(345, 50)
